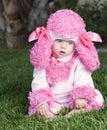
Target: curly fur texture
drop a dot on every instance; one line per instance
(57, 72)
(41, 52)
(66, 23)
(88, 56)
(88, 94)
(36, 98)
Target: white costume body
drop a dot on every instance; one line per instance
(79, 76)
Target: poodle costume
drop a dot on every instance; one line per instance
(59, 81)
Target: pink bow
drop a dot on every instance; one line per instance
(88, 37)
(39, 33)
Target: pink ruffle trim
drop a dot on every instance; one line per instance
(87, 93)
(60, 71)
(38, 97)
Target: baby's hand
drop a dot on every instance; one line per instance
(80, 103)
(43, 109)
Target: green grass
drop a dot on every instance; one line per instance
(15, 79)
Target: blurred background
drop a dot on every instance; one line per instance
(19, 17)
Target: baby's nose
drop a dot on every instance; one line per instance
(63, 45)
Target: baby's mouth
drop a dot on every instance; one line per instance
(62, 52)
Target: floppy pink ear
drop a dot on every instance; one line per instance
(88, 37)
(32, 36)
(88, 55)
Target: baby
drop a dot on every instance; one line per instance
(64, 58)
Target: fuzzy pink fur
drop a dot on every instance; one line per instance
(88, 55)
(41, 52)
(38, 97)
(87, 93)
(58, 70)
(64, 22)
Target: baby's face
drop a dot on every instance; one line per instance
(62, 48)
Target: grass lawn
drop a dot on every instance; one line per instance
(15, 79)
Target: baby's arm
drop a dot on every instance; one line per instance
(84, 89)
(41, 92)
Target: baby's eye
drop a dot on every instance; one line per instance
(71, 42)
(59, 40)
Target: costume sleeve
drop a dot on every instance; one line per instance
(84, 88)
(41, 92)
(39, 80)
